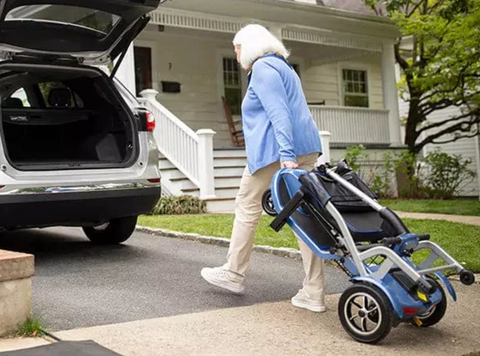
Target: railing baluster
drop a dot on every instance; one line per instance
(349, 125)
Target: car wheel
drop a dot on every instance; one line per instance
(114, 232)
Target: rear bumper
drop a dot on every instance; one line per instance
(74, 208)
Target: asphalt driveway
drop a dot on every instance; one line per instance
(77, 284)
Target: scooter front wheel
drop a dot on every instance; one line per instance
(267, 203)
(366, 313)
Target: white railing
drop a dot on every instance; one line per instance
(353, 125)
(190, 152)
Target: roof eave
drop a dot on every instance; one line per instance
(329, 11)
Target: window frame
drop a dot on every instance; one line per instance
(221, 54)
(341, 82)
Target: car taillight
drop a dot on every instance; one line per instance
(150, 121)
(154, 180)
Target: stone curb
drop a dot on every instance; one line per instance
(220, 241)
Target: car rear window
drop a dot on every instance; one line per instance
(65, 14)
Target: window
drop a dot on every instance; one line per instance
(143, 68)
(20, 94)
(355, 88)
(233, 85)
(81, 16)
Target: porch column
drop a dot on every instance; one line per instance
(390, 93)
(126, 72)
(276, 30)
(325, 137)
(205, 163)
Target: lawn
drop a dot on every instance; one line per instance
(455, 207)
(461, 241)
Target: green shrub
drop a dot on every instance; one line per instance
(354, 156)
(408, 176)
(446, 174)
(179, 205)
(438, 176)
(383, 176)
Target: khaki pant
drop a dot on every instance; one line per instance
(248, 209)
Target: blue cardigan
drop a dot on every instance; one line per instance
(277, 122)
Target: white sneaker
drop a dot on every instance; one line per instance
(302, 300)
(223, 279)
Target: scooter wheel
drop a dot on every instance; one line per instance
(267, 203)
(366, 313)
(467, 277)
(435, 313)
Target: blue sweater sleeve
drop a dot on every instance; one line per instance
(267, 84)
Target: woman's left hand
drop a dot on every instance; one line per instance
(289, 164)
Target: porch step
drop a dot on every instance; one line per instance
(220, 192)
(221, 205)
(229, 161)
(165, 164)
(229, 165)
(230, 170)
(229, 152)
(227, 181)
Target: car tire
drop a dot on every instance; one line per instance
(112, 233)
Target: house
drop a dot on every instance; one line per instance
(467, 148)
(183, 63)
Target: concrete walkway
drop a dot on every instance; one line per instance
(470, 220)
(280, 329)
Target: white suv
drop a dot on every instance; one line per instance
(76, 148)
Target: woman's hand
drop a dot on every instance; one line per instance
(289, 164)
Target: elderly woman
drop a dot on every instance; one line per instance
(279, 132)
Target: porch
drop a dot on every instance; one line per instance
(183, 64)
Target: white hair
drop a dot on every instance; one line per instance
(256, 41)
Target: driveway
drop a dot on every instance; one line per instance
(77, 284)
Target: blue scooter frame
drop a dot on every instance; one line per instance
(411, 292)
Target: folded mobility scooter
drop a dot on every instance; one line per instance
(333, 211)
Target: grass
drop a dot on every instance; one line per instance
(453, 207)
(32, 327)
(460, 240)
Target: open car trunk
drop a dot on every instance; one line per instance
(60, 117)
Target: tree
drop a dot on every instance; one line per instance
(441, 68)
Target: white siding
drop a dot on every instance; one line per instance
(467, 148)
(324, 82)
(195, 62)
